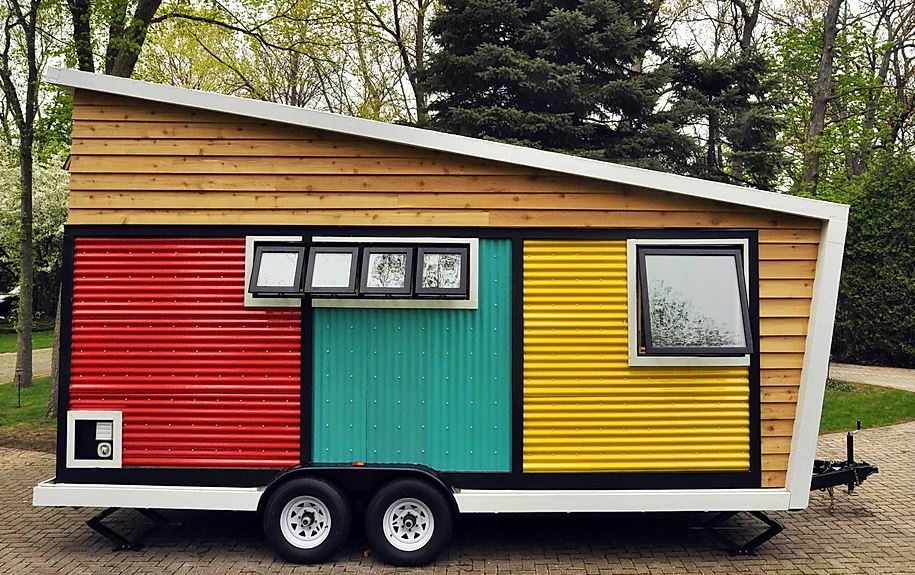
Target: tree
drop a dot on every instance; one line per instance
(126, 32)
(729, 102)
(821, 94)
(875, 319)
(19, 77)
(553, 75)
(869, 109)
(406, 25)
(322, 55)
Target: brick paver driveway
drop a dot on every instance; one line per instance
(872, 532)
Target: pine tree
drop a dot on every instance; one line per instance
(731, 99)
(553, 74)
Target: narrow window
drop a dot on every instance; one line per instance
(331, 270)
(277, 269)
(387, 271)
(442, 271)
(693, 301)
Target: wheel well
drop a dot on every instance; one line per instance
(361, 482)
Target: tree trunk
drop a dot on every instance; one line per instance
(419, 88)
(82, 34)
(711, 150)
(821, 93)
(51, 410)
(124, 59)
(26, 273)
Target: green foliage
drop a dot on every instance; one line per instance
(846, 139)
(549, 74)
(52, 129)
(50, 213)
(845, 403)
(875, 320)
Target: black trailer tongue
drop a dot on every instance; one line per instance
(828, 474)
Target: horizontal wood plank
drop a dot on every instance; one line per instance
(782, 344)
(774, 479)
(784, 411)
(275, 217)
(780, 394)
(137, 164)
(191, 130)
(786, 288)
(774, 462)
(783, 325)
(772, 360)
(780, 377)
(335, 183)
(306, 200)
(307, 148)
(773, 427)
(769, 235)
(776, 446)
(152, 112)
(802, 269)
(781, 307)
(795, 252)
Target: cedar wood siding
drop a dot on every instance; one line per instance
(137, 162)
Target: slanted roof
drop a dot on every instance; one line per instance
(438, 141)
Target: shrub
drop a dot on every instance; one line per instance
(875, 320)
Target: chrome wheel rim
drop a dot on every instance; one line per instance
(408, 524)
(305, 522)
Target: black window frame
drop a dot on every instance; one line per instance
(644, 308)
(273, 247)
(367, 251)
(351, 289)
(460, 292)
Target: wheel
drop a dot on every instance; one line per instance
(306, 520)
(408, 522)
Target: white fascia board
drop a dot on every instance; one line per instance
(439, 141)
(816, 362)
(51, 494)
(625, 501)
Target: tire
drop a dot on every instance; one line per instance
(408, 522)
(307, 520)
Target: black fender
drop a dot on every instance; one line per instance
(361, 481)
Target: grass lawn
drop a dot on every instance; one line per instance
(26, 427)
(845, 403)
(40, 340)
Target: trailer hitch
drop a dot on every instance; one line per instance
(828, 474)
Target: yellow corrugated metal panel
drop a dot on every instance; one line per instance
(585, 409)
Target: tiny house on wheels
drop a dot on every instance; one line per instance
(297, 313)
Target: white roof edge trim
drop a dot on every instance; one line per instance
(439, 141)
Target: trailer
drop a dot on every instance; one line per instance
(280, 310)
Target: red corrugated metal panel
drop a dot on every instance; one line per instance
(160, 332)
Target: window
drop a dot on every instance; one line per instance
(441, 271)
(387, 271)
(331, 270)
(368, 272)
(693, 301)
(277, 269)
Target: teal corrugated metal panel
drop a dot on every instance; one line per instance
(430, 386)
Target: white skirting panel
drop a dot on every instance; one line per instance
(604, 501)
(50, 494)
